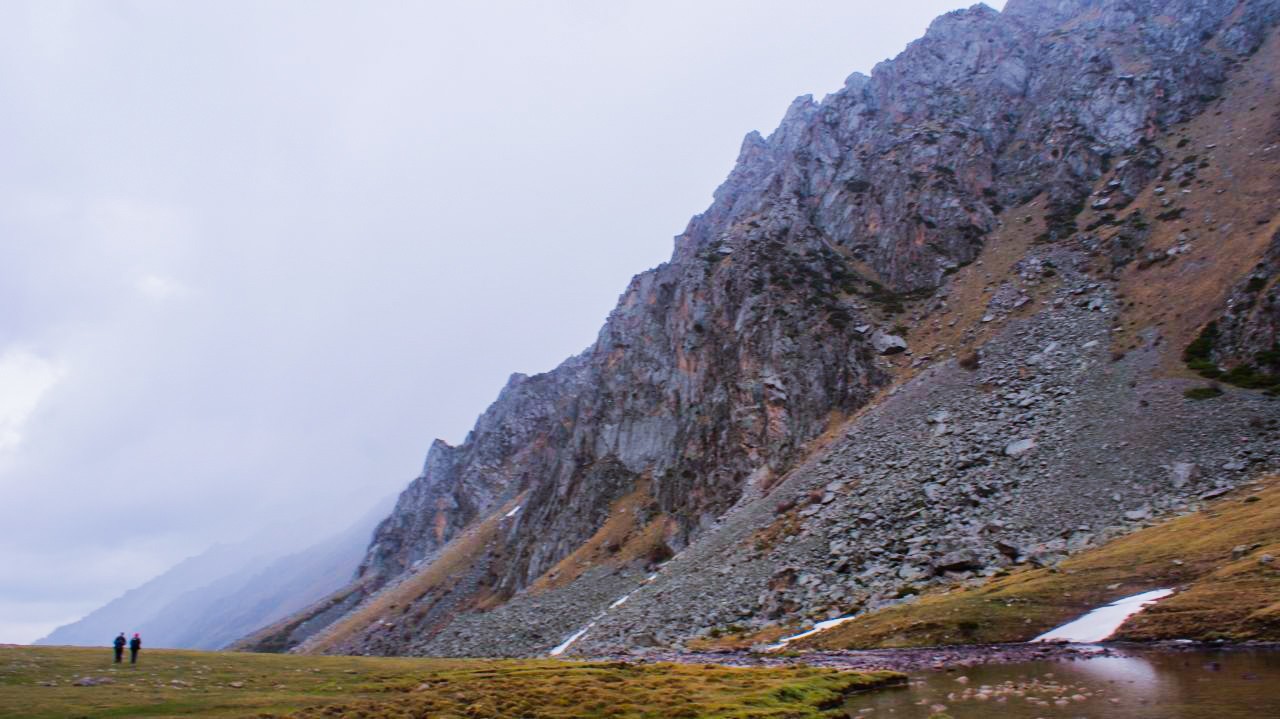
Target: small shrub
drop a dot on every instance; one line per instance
(1249, 377)
(1199, 354)
(971, 361)
(659, 554)
(1206, 392)
(1269, 357)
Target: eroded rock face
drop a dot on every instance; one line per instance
(708, 370)
(460, 484)
(909, 168)
(724, 363)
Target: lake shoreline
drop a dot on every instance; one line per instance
(942, 658)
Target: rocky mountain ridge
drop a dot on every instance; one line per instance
(753, 409)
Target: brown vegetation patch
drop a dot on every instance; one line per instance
(624, 537)
(738, 639)
(278, 637)
(1216, 558)
(786, 524)
(957, 330)
(1230, 212)
(439, 574)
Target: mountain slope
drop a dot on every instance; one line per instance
(210, 600)
(748, 408)
(1217, 559)
(100, 626)
(215, 615)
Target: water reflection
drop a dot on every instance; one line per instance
(1135, 676)
(1135, 685)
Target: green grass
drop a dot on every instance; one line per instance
(38, 682)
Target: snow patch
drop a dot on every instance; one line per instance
(620, 601)
(560, 648)
(819, 627)
(512, 513)
(1102, 622)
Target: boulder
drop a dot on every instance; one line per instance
(1019, 447)
(887, 344)
(1181, 474)
(1009, 549)
(1137, 515)
(957, 561)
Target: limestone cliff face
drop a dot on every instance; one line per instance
(718, 369)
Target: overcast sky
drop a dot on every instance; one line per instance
(255, 256)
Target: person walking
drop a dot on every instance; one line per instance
(119, 645)
(134, 645)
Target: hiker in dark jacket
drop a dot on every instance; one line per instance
(134, 645)
(119, 644)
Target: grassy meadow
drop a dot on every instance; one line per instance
(41, 682)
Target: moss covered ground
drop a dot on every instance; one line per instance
(40, 682)
(1216, 559)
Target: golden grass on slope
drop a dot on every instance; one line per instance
(957, 329)
(37, 682)
(736, 639)
(1229, 212)
(441, 573)
(621, 539)
(278, 637)
(1222, 593)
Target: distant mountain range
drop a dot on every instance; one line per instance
(226, 592)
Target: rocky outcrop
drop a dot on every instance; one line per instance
(717, 370)
(1243, 345)
(512, 441)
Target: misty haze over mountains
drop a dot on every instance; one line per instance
(210, 600)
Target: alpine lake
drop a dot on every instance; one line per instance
(1118, 683)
